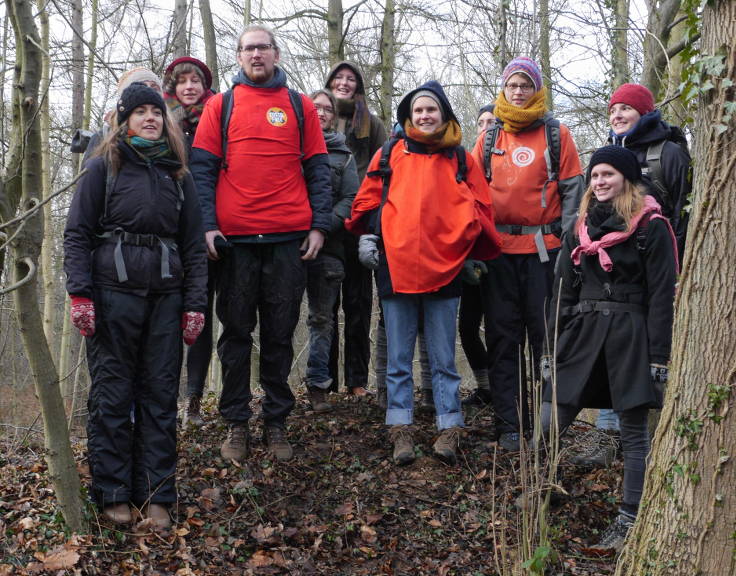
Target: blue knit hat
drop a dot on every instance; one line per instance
(526, 66)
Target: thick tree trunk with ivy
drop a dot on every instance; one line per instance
(388, 62)
(686, 524)
(26, 247)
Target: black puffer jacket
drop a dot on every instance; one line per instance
(144, 200)
(344, 187)
(650, 130)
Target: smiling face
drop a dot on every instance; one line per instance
(325, 112)
(606, 182)
(189, 88)
(622, 117)
(518, 89)
(426, 114)
(147, 121)
(344, 83)
(257, 56)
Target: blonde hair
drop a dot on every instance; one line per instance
(627, 204)
(173, 135)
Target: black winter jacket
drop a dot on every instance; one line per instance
(144, 200)
(650, 130)
(344, 187)
(603, 355)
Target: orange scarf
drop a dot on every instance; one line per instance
(448, 135)
(515, 118)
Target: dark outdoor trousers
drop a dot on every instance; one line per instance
(357, 306)
(265, 283)
(515, 293)
(471, 314)
(200, 353)
(134, 359)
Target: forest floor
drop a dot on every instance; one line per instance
(340, 507)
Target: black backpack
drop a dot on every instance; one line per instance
(654, 170)
(384, 171)
(228, 101)
(551, 154)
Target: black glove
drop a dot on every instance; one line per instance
(368, 251)
(472, 271)
(659, 375)
(545, 369)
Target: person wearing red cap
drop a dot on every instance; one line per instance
(187, 87)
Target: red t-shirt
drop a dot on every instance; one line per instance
(263, 190)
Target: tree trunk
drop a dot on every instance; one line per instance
(388, 61)
(334, 31)
(686, 523)
(179, 38)
(210, 42)
(503, 28)
(26, 250)
(544, 51)
(620, 42)
(77, 71)
(90, 66)
(661, 16)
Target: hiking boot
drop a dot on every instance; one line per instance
(598, 450)
(318, 400)
(118, 513)
(237, 444)
(510, 441)
(447, 444)
(275, 439)
(614, 536)
(478, 399)
(159, 514)
(382, 398)
(358, 391)
(426, 403)
(192, 412)
(401, 438)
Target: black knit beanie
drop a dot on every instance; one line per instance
(622, 159)
(486, 108)
(138, 94)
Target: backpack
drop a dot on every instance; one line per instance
(228, 101)
(384, 171)
(654, 165)
(551, 154)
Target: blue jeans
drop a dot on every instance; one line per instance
(324, 277)
(607, 420)
(401, 317)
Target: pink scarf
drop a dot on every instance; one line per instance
(590, 247)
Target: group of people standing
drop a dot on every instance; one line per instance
(242, 201)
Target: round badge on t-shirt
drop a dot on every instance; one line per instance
(276, 116)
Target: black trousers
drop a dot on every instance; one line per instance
(265, 283)
(471, 314)
(515, 294)
(200, 353)
(357, 306)
(134, 359)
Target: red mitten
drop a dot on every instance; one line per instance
(192, 324)
(83, 315)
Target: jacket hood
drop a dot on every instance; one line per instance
(335, 142)
(650, 128)
(404, 110)
(360, 89)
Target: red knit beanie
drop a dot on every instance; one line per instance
(635, 95)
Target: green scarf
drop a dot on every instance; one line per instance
(149, 150)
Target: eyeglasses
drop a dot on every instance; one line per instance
(250, 48)
(329, 110)
(522, 87)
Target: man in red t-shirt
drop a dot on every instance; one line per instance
(266, 208)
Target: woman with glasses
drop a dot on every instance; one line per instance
(326, 273)
(535, 199)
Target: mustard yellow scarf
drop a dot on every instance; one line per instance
(516, 119)
(446, 136)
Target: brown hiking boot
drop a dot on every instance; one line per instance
(401, 438)
(192, 412)
(159, 514)
(237, 444)
(447, 444)
(275, 439)
(318, 400)
(118, 513)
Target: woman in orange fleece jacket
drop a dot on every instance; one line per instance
(436, 215)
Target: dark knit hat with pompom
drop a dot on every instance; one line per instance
(138, 94)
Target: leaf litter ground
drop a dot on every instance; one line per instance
(340, 507)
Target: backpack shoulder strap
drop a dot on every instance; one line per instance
(384, 171)
(489, 148)
(642, 230)
(110, 180)
(298, 106)
(553, 152)
(656, 174)
(228, 101)
(462, 164)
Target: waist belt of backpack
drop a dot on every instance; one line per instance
(120, 237)
(538, 231)
(602, 306)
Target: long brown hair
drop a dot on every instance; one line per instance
(109, 150)
(627, 204)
